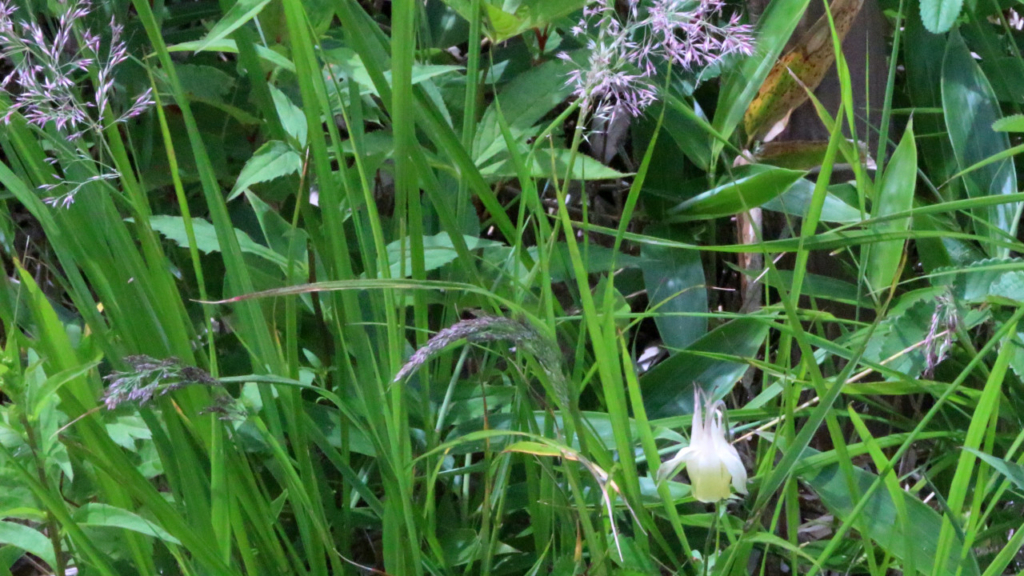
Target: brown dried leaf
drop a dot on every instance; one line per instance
(809, 60)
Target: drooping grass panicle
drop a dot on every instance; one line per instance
(494, 329)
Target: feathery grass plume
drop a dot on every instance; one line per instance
(150, 378)
(625, 51)
(945, 321)
(43, 85)
(494, 329)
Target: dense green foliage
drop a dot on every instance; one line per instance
(364, 287)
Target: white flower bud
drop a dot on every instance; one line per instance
(710, 460)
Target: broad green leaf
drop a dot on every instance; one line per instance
(880, 521)
(27, 539)
(689, 128)
(39, 396)
(280, 235)
(970, 108)
(126, 430)
(438, 250)
(936, 253)
(796, 201)
(596, 257)
(751, 187)
(675, 284)
(205, 83)
(938, 15)
(715, 363)
(923, 54)
(896, 194)
(1017, 358)
(236, 16)
(273, 160)
(97, 514)
(816, 286)
(799, 155)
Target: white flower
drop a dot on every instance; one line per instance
(710, 460)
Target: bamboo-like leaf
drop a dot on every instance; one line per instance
(749, 188)
(676, 286)
(895, 195)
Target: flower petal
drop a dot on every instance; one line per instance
(734, 465)
(670, 467)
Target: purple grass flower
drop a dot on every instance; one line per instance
(625, 50)
(47, 71)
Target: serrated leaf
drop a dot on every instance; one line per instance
(236, 16)
(974, 284)
(1017, 357)
(896, 339)
(1013, 123)
(938, 15)
(173, 228)
(273, 160)
(292, 117)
